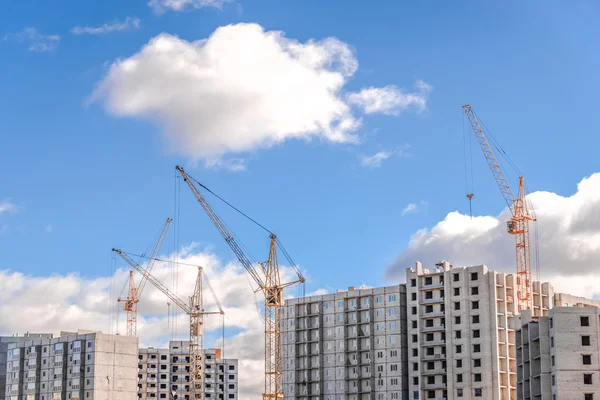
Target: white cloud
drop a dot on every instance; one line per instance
(241, 89)
(569, 240)
(6, 206)
(36, 41)
(391, 100)
(375, 160)
(68, 302)
(160, 6)
(116, 26)
(410, 208)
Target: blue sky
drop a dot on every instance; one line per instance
(85, 181)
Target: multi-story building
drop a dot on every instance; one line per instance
(165, 373)
(84, 365)
(558, 355)
(461, 336)
(5, 341)
(346, 346)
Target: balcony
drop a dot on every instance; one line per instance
(152, 370)
(435, 328)
(433, 357)
(433, 300)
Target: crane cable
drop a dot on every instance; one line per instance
(280, 245)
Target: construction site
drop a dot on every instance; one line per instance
(444, 332)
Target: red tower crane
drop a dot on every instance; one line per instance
(518, 224)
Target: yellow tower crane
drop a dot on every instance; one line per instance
(269, 282)
(195, 309)
(518, 225)
(134, 293)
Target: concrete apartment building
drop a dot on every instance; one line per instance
(346, 346)
(5, 341)
(165, 373)
(558, 355)
(84, 365)
(461, 331)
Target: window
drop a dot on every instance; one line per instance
(477, 377)
(415, 338)
(413, 282)
(414, 324)
(457, 320)
(551, 341)
(459, 378)
(430, 351)
(585, 341)
(414, 310)
(551, 323)
(478, 392)
(552, 361)
(458, 334)
(431, 380)
(587, 379)
(429, 337)
(428, 295)
(588, 396)
(476, 348)
(475, 305)
(475, 290)
(457, 291)
(585, 321)
(474, 276)
(415, 352)
(458, 349)
(459, 363)
(476, 333)
(413, 296)
(477, 362)
(455, 277)
(428, 280)
(459, 393)
(415, 366)
(587, 359)
(415, 380)
(441, 278)
(475, 319)
(429, 323)
(442, 293)
(456, 305)
(394, 367)
(431, 394)
(429, 309)
(415, 395)
(430, 365)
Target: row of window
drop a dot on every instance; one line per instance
(455, 278)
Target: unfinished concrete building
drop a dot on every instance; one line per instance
(165, 373)
(558, 355)
(75, 366)
(14, 340)
(461, 331)
(346, 346)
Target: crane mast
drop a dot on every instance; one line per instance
(270, 286)
(134, 293)
(195, 309)
(518, 225)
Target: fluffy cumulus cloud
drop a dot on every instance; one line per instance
(391, 100)
(568, 237)
(68, 302)
(160, 6)
(241, 89)
(115, 26)
(35, 41)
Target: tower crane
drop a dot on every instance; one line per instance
(269, 282)
(134, 293)
(518, 224)
(195, 309)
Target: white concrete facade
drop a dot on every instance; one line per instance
(164, 373)
(346, 346)
(558, 355)
(74, 366)
(461, 331)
